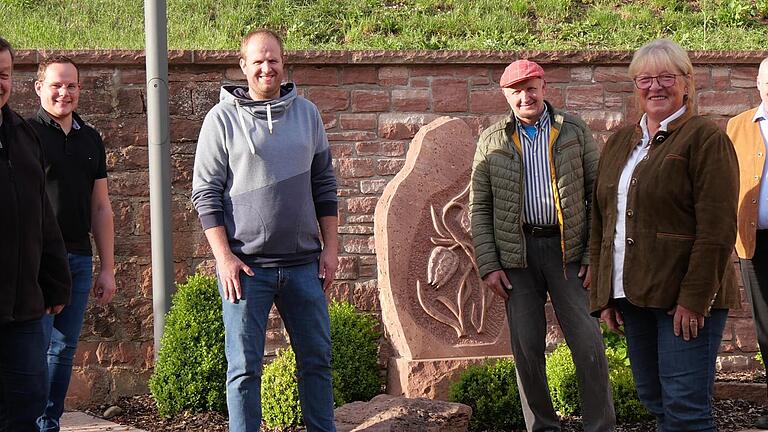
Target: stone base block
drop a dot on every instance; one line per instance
(753, 392)
(429, 378)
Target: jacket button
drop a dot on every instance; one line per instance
(660, 139)
(645, 158)
(633, 181)
(759, 154)
(630, 213)
(630, 242)
(754, 201)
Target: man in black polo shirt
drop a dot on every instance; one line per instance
(77, 186)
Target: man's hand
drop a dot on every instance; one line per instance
(497, 281)
(585, 272)
(53, 310)
(229, 269)
(104, 287)
(612, 318)
(329, 262)
(686, 321)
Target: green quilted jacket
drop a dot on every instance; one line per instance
(496, 192)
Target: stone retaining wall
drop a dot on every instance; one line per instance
(372, 103)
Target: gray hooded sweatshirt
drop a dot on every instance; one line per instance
(263, 171)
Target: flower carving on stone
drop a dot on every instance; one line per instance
(443, 263)
(453, 254)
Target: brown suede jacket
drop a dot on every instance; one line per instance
(680, 221)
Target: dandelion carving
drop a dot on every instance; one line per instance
(453, 254)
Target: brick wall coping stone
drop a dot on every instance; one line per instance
(379, 57)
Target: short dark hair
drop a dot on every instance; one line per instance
(5, 46)
(260, 32)
(54, 59)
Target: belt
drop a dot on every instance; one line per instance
(542, 230)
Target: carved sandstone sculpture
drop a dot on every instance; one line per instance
(438, 314)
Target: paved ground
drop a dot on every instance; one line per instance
(80, 422)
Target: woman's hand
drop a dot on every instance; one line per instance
(612, 318)
(686, 321)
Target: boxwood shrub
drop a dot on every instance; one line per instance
(191, 368)
(491, 391)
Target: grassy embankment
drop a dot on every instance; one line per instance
(395, 24)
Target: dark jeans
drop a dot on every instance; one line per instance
(63, 332)
(674, 378)
(754, 273)
(23, 375)
(545, 275)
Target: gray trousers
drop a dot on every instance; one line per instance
(528, 327)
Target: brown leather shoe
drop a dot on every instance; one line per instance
(762, 422)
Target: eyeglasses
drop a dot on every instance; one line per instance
(55, 87)
(664, 80)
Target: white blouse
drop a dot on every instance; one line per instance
(638, 155)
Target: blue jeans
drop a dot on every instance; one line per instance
(23, 375)
(674, 378)
(299, 297)
(63, 332)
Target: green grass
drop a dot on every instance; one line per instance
(395, 24)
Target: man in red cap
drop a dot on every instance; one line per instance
(530, 198)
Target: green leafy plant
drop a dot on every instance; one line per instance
(354, 358)
(355, 354)
(563, 384)
(280, 392)
(615, 346)
(628, 407)
(491, 391)
(190, 373)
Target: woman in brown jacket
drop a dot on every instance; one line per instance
(663, 228)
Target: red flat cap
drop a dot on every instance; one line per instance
(520, 70)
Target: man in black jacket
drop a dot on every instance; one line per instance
(33, 264)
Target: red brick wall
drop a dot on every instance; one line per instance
(372, 104)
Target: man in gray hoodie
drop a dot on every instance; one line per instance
(265, 192)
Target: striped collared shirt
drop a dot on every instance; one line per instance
(539, 201)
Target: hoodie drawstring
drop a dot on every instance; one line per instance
(269, 118)
(245, 131)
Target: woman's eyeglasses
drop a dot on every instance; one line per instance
(664, 80)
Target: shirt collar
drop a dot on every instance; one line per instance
(541, 122)
(662, 126)
(43, 115)
(760, 113)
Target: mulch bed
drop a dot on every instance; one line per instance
(140, 412)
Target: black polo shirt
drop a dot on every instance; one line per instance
(72, 163)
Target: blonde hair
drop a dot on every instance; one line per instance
(666, 54)
(262, 32)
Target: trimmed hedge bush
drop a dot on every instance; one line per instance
(280, 391)
(491, 391)
(355, 368)
(563, 384)
(355, 359)
(190, 372)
